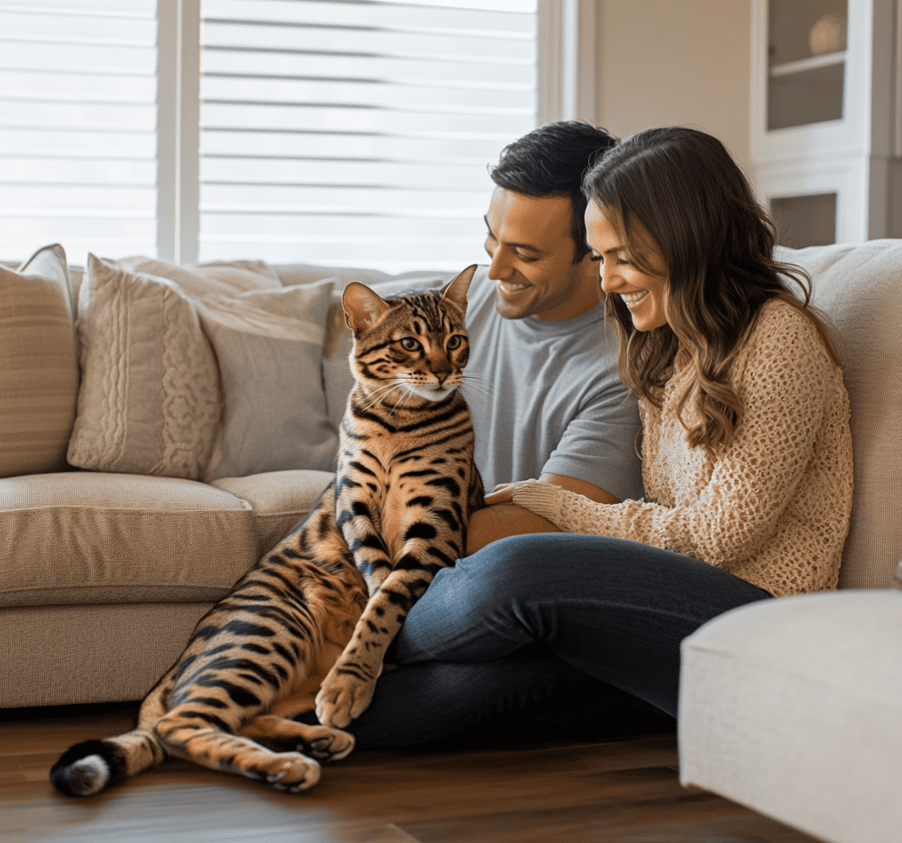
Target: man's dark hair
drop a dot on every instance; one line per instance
(551, 161)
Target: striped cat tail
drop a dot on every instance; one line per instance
(91, 766)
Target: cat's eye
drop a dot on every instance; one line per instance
(409, 344)
(455, 342)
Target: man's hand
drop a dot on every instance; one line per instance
(502, 518)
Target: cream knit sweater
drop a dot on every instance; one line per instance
(773, 507)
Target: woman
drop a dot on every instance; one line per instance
(747, 463)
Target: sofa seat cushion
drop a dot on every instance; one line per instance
(280, 499)
(793, 707)
(85, 537)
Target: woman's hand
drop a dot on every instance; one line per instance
(504, 492)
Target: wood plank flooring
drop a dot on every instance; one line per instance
(619, 791)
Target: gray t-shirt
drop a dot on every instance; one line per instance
(551, 393)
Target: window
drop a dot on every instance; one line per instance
(343, 132)
(78, 116)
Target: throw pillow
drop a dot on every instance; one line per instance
(204, 279)
(857, 287)
(149, 401)
(39, 376)
(269, 347)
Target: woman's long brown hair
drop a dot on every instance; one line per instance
(677, 192)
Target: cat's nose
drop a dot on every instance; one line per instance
(441, 377)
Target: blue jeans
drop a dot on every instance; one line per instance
(532, 616)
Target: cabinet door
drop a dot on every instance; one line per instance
(826, 95)
(806, 62)
(826, 202)
(822, 77)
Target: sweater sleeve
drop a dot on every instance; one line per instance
(783, 384)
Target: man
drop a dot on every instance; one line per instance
(545, 397)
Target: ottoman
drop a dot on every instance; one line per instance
(793, 707)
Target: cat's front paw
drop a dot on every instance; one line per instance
(342, 698)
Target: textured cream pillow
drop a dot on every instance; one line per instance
(204, 279)
(859, 287)
(149, 401)
(39, 375)
(269, 345)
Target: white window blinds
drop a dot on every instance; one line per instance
(358, 133)
(78, 126)
(351, 132)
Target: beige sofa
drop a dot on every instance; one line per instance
(160, 428)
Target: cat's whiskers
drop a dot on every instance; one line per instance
(407, 392)
(378, 395)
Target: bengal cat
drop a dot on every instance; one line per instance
(320, 609)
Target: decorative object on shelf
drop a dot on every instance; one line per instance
(828, 35)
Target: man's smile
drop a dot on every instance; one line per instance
(511, 287)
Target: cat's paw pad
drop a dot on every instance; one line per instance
(342, 698)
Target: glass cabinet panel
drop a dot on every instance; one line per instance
(806, 62)
(805, 220)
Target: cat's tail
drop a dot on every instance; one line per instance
(91, 766)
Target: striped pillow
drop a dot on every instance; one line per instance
(38, 365)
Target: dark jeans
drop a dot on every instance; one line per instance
(534, 617)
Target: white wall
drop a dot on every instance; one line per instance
(665, 62)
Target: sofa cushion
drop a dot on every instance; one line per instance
(269, 346)
(214, 277)
(858, 287)
(39, 376)
(85, 537)
(197, 280)
(149, 401)
(280, 500)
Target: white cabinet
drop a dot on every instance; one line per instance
(826, 141)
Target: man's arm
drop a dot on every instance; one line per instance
(503, 518)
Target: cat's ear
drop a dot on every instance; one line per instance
(363, 308)
(456, 290)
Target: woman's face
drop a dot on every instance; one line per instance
(645, 296)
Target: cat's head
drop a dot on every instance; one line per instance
(409, 346)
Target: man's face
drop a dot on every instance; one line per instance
(531, 246)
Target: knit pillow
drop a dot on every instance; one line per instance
(39, 375)
(149, 401)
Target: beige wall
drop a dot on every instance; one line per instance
(665, 62)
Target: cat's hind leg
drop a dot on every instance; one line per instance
(320, 742)
(278, 730)
(196, 737)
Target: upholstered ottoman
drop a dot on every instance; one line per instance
(793, 707)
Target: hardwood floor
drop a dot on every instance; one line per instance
(620, 791)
